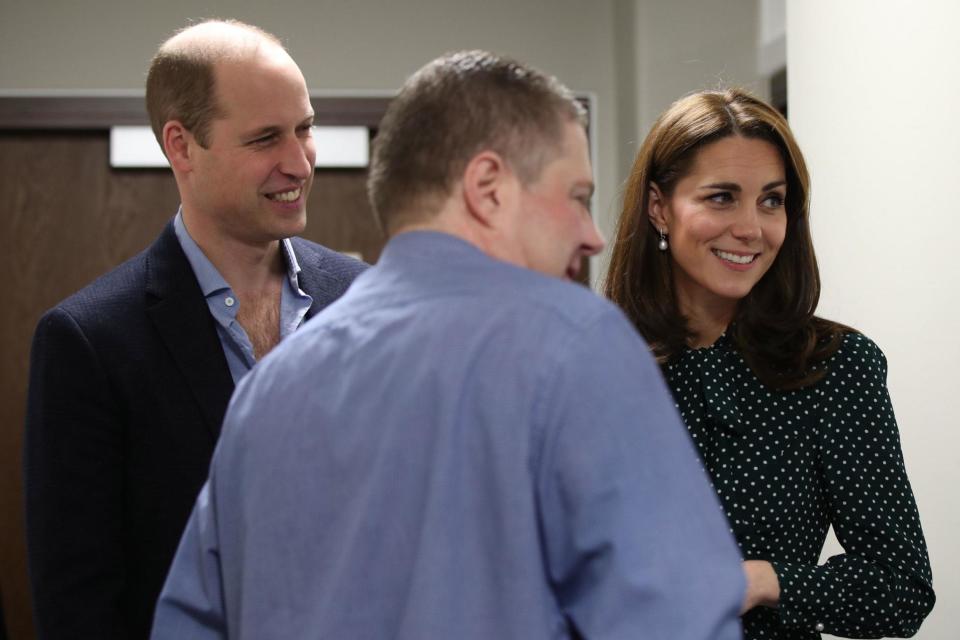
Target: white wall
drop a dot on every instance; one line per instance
(874, 96)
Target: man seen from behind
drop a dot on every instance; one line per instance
(495, 454)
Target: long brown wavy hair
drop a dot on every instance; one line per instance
(774, 327)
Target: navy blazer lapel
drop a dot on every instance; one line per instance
(176, 305)
(321, 277)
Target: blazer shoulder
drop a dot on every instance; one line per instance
(325, 273)
(121, 286)
(334, 262)
(121, 291)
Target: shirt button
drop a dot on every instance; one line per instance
(229, 301)
(818, 626)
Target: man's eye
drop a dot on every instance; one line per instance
(263, 139)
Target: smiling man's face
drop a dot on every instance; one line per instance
(252, 180)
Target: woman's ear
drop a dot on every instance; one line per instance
(656, 208)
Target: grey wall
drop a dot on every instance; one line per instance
(635, 56)
(666, 49)
(340, 45)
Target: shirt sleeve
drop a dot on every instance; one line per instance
(73, 462)
(636, 542)
(191, 604)
(881, 585)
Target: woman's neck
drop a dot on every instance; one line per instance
(707, 316)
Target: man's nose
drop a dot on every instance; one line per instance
(297, 158)
(593, 242)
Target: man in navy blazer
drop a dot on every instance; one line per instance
(130, 377)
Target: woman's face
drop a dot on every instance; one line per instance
(726, 221)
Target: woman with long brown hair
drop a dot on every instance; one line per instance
(714, 264)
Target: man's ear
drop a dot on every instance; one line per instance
(656, 208)
(177, 145)
(487, 187)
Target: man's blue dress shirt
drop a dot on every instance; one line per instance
(224, 306)
(473, 450)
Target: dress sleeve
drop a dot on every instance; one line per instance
(636, 543)
(73, 463)
(881, 585)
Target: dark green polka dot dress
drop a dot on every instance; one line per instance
(787, 465)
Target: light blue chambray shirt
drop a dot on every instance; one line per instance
(474, 451)
(223, 304)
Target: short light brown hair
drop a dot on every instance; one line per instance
(180, 82)
(453, 108)
(774, 327)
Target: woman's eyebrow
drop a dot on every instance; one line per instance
(727, 186)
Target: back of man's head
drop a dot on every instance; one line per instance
(180, 82)
(453, 108)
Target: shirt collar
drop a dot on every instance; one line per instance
(208, 277)
(290, 258)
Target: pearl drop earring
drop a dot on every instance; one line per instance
(663, 244)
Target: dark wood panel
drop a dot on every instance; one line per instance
(340, 215)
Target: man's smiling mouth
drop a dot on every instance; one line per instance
(285, 196)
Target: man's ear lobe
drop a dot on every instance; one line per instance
(177, 141)
(486, 187)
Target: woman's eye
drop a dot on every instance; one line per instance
(773, 201)
(723, 197)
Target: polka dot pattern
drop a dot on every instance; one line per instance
(787, 465)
